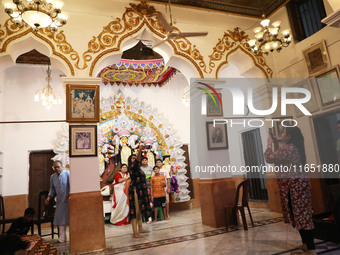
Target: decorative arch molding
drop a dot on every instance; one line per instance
(135, 18)
(10, 34)
(230, 43)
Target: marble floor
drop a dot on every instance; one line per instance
(185, 234)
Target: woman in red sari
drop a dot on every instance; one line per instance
(120, 199)
(295, 187)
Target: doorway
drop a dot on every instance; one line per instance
(328, 136)
(253, 156)
(40, 171)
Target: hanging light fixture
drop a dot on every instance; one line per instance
(46, 95)
(36, 13)
(268, 38)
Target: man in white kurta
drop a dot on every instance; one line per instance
(60, 187)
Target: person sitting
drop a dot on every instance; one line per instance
(13, 245)
(22, 225)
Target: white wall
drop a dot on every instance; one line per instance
(19, 84)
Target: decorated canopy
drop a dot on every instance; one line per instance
(137, 72)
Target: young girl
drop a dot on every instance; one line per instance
(120, 201)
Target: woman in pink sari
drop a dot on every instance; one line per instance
(120, 199)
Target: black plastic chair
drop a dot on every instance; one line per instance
(45, 214)
(3, 220)
(240, 206)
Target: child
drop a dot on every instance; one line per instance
(163, 171)
(157, 191)
(147, 170)
(21, 225)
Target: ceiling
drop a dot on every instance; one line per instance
(254, 8)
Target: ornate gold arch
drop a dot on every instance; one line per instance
(231, 42)
(139, 118)
(10, 29)
(133, 20)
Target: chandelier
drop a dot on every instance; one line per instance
(268, 39)
(36, 13)
(46, 95)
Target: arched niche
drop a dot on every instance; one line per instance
(164, 49)
(28, 43)
(242, 63)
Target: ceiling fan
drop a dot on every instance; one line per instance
(171, 34)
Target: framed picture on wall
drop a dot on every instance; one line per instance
(278, 128)
(312, 104)
(82, 103)
(316, 58)
(217, 137)
(214, 107)
(328, 86)
(83, 140)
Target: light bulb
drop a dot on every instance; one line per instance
(15, 14)
(257, 29)
(9, 4)
(57, 4)
(273, 31)
(285, 32)
(265, 22)
(44, 103)
(60, 101)
(62, 16)
(275, 45)
(259, 36)
(276, 23)
(36, 98)
(252, 42)
(267, 46)
(43, 96)
(48, 107)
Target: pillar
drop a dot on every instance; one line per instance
(86, 219)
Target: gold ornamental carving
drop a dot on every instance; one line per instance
(10, 32)
(231, 42)
(134, 19)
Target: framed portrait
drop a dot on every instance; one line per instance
(83, 141)
(312, 104)
(328, 86)
(316, 58)
(278, 128)
(217, 136)
(214, 108)
(82, 103)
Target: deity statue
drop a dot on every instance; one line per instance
(166, 163)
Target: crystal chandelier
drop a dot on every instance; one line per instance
(36, 13)
(46, 95)
(268, 39)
